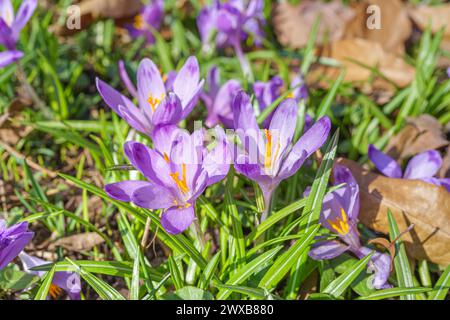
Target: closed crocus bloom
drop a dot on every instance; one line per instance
(340, 215)
(150, 18)
(423, 166)
(11, 24)
(12, 241)
(176, 175)
(157, 106)
(219, 98)
(67, 281)
(267, 156)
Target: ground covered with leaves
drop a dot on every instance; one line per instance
(224, 149)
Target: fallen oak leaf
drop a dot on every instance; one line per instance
(94, 10)
(411, 202)
(385, 22)
(293, 23)
(420, 134)
(78, 242)
(360, 58)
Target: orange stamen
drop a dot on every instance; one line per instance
(340, 225)
(138, 22)
(181, 183)
(54, 291)
(268, 155)
(154, 101)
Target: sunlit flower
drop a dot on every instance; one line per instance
(423, 166)
(8, 57)
(157, 106)
(150, 18)
(178, 170)
(267, 156)
(232, 22)
(340, 215)
(67, 281)
(12, 241)
(219, 98)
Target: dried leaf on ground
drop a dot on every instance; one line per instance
(445, 169)
(411, 202)
(420, 134)
(436, 17)
(93, 10)
(78, 242)
(358, 57)
(293, 23)
(385, 22)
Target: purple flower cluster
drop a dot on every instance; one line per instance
(10, 26)
(423, 166)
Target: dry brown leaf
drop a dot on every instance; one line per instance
(420, 134)
(445, 169)
(395, 25)
(411, 202)
(78, 242)
(93, 10)
(436, 17)
(293, 23)
(357, 56)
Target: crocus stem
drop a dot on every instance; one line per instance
(200, 235)
(267, 201)
(245, 64)
(21, 75)
(146, 233)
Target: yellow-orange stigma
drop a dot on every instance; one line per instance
(181, 183)
(166, 157)
(138, 22)
(290, 95)
(268, 155)
(154, 101)
(54, 291)
(340, 225)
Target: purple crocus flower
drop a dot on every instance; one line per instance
(150, 18)
(448, 72)
(423, 166)
(218, 99)
(340, 215)
(8, 57)
(267, 92)
(267, 156)
(177, 174)
(157, 106)
(67, 281)
(10, 24)
(12, 241)
(232, 22)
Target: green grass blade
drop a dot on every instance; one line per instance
(442, 286)
(45, 286)
(393, 292)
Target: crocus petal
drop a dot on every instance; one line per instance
(126, 79)
(350, 194)
(8, 57)
(112, 97)
(186, 82)
(29, 262)
(69, 282)
(326, 250)
(445, 182)
(134, 117)
(423, 165)
(153, 197)
(380, 264)
(312, 140)
(7, 12)
(169, 111)
(16, 229)
(222, 105)
(163, 138)
(149, 85)
(213, 81)
(175, 220)
(123, 190)
(385, 164)
(283, 123)
(24, 14)
(12, 250)
(217, 162)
